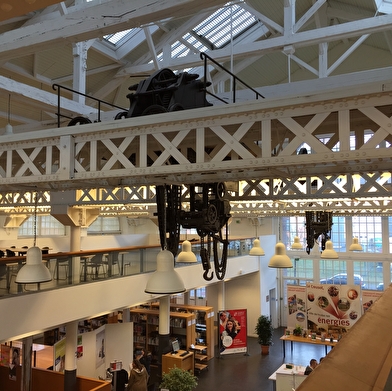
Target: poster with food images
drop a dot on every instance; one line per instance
(296, 304)
(369, 298)
(332, 309)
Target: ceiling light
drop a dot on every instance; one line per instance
(280, 259)
(297, 245)
(34, 271)
(256, 249)
(186, 255)
(165, 280)
(355, 245)
(329, 252)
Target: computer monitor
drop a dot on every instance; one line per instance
(175, 346)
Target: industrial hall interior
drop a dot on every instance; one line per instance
(175, 175)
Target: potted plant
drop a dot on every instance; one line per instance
(264, 331)
(297, 331)
(178, 380)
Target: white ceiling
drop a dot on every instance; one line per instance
(305, 41)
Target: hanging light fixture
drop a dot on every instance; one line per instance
(165, 280)
(329, 252)
(34, 271)
(280, 259)
(256, 250)
(355, 245)
(297, 245)
(186, 255)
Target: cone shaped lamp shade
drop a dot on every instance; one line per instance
(329, 252)
(256, 249)
(355, 245)
(280, 259)
(297, 245)
(165, 279)
(186, 255)
(34, 271)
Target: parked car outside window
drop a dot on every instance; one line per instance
(341, 279)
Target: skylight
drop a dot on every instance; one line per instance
(116, 38)
(384, 6)
(224, 24)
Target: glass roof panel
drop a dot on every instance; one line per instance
(224, 24)
(116, 38)
(384, 6)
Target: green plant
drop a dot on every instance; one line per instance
(178, 380)
(297, 331)
(264, 330)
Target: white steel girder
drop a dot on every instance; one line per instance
(255, 144)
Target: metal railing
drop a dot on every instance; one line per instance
(235, 79)
(95, 265)
(100, 101)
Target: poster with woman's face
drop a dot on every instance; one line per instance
(232, 331)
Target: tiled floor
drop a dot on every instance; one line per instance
(250, 372)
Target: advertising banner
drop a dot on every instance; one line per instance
(296, 304)
(369, 298)
(232, 331)
(59, 355)
(332, 309)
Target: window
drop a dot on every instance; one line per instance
(104, 225)
(46, 226)
(369, 232)
(338, 233)
(371, 273)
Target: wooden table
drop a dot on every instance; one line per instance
(171, 360)
(317, 341)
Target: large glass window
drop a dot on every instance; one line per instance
(333, 271)
(371, 273)
(338, 233)
(45, 226)
(104, 225)
(368, 230)
(301, 272)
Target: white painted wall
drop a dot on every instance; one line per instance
(118, 346)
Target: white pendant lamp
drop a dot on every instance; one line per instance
(355, 245)
(165, 280)
(186, 255)
(280, 259)
(329, 252)
(34, 271)
(297, 245)
(256, 250)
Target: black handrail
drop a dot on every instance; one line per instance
(206, 57)
(54, 86)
